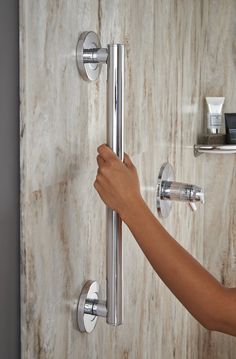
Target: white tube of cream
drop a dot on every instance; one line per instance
(214, 116)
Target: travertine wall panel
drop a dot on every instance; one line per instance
(177, 52)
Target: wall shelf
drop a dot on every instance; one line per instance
(214, 149)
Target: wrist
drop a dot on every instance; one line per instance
(131, 209)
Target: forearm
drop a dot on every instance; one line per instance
(210, 303)
(196, 288)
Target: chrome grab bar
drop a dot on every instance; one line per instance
(90, 57)
(115, 115)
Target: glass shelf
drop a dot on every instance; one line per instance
(214, 149)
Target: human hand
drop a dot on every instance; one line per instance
(117, 182)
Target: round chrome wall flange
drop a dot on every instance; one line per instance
(87, 322)
(164, 206)
(89, 71)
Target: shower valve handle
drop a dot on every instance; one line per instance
(168, 190)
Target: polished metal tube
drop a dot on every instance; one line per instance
(100, 308)
(95, 307)
(115, 114)
(96, 56)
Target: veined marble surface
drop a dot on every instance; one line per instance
(177, 52)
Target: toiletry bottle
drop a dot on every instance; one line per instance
(230, 125)
(214, 116)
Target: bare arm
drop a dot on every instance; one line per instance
(205, 298)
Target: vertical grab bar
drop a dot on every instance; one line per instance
(115, 115)
(90, 57)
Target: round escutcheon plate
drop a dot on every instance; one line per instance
(166, 174)
(88, 71)
(87, 322)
